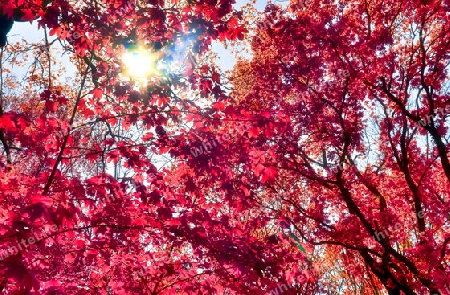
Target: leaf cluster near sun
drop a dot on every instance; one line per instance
(331, 175)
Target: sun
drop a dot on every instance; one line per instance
(139, 63)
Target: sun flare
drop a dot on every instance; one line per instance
(139, 63)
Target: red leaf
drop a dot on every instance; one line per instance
(253, 132)
(27, 15)
(219, 105)
(8, 10)
(269, 174)
(55, 31)
(216, 77)
(97, 93)
(51, 106)
(7, 123)
(164, 213)
(41, 199)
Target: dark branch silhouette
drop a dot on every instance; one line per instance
(5, 26)
(6, 23)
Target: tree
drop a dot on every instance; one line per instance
(349, 164)
(84, 209)
(317, 175)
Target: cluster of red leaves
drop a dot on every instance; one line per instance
(83, 160)
(86, 160)
(397, 62)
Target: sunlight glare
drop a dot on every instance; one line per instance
(139, 63)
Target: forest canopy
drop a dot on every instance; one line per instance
(318, 165)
